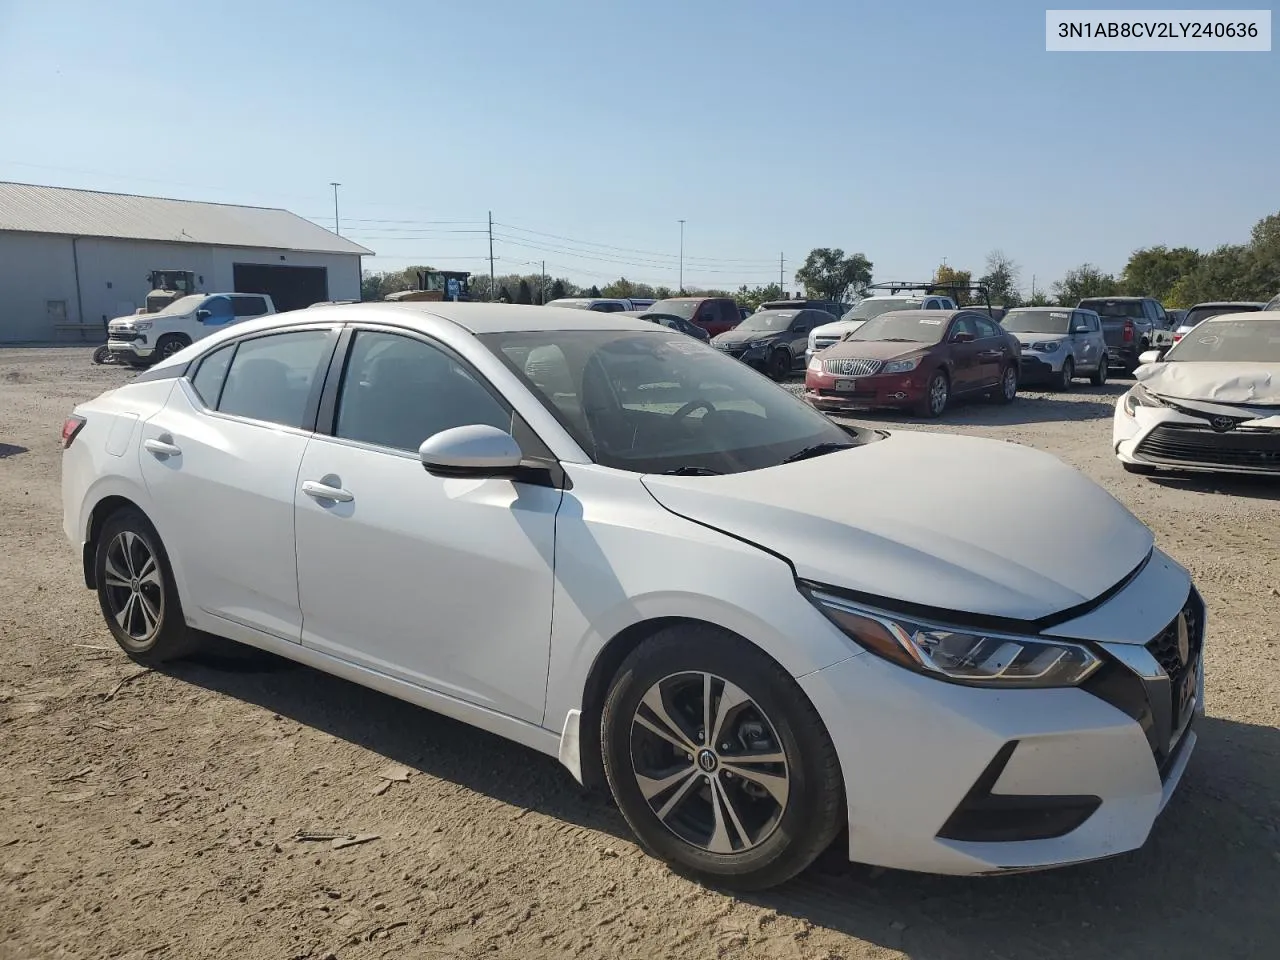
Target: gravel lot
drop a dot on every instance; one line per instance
(153, 815)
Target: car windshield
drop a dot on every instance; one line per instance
(684, 309)
(661, 402)
(1273, 303)
(909, 327)
(1199, 314)
(1114, 309)
(1230, 341)
(1037, 321)
(868, 309)
(767, 320)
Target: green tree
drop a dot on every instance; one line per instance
(622, 287)
(557, 290)
(663, 293)
(1038, 298)
(523, 293)
(594, 291)
(945, 274)
(752, 297)
(1001, 279)
(1084, 281)
(504, 295)
(1222, 274)
(1153, 271)
(827, 274)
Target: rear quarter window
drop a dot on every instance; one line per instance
(249, 306)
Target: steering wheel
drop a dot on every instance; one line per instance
(693, 405)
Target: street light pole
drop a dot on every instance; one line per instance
(336, 227)
(681, 256)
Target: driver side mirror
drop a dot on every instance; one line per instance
(1083, 328)
(203, 315)
(962, 338)
(476, 450)
(1152, 356)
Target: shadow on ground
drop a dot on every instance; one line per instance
(1218, 484)
(1204, 885)
(10, 450)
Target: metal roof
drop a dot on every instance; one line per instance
(88, 213)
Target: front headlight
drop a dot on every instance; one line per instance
(1139, 396)
(1047, 346)
(816, 364)
(978, 658)
(813, 340)
(142, 324)
(757, 344)
(901, 366)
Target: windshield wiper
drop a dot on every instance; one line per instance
(898, 340)
(692, 472)
(817, 450)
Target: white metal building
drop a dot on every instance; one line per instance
(70, 260)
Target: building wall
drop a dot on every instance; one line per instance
(38, 268)
(35, 270)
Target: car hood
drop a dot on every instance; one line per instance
(1025, 338)
(876, 349)
(1234, 383)
(905, 519)
(837, 329)
(744, 336)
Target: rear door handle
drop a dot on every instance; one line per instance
(322, 491)
(162, 448)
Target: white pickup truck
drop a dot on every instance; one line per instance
(144, 339)
(865, 309)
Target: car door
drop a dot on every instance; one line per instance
(798, 333)
(1097, 337)
(963, 346)
(992, 353)
(443, 582)
(1083, 341)
(220, 462)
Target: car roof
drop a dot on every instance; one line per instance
(477, 318)
(928, 314)
(1109, 299)
(1230, 303)
(1057, 309)
(1260, 316)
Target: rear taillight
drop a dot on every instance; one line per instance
(1128, 331)
(71, 427)
(1177, 337)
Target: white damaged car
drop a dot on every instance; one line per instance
(611, 543)
(1210, 403)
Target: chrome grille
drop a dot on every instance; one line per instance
(853, 367)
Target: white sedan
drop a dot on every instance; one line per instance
(1210, 403)
(605, 540)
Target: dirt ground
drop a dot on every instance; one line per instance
(156, 815)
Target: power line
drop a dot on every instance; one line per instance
(648, 253)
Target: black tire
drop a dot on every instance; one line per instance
(1141, 469)
(1007, 388)
(102, 355)
(169, 639)
(1064, 377)
(793, 833)
(779, 364)
(170, 344)
(1099, 377)
(936, 396)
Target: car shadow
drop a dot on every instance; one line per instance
(10, 450)
(1217, 484)
(1204, 884)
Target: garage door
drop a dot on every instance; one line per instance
(290, 288)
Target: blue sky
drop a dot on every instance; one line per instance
(908, 131)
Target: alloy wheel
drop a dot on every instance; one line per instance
(134, 590)
(938, 395)
(709, 762)
(1009, 383)
(170, 347)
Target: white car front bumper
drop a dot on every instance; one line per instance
(1165, 437)
(963, 780)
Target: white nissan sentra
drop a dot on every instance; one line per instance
(608, 542)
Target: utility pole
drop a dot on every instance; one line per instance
(336, 226)
(681, 290)
(782, 284)
(542, 286)
(493, 293)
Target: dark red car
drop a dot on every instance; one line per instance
(713, 314)
(915, 359)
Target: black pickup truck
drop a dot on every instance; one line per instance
(1131, 326)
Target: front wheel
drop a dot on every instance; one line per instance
(1008, 385)
(169, 345)
(136, 590)
(718, 761)
(1066, 374)
(937, 395)
(779, 364)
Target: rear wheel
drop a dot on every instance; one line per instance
(136, 590)
(1008, 385)
(718, 761)
(1099, 376)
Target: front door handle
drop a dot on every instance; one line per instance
(318, 490)
(162, 448)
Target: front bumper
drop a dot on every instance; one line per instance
(756, 357)
(1165, 437)
(1038, 365)
(964, 780)
(864, 393)
(129, 345)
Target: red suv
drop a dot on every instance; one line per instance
(713, 314)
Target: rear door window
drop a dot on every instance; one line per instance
(249, 306)
(273, 378)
